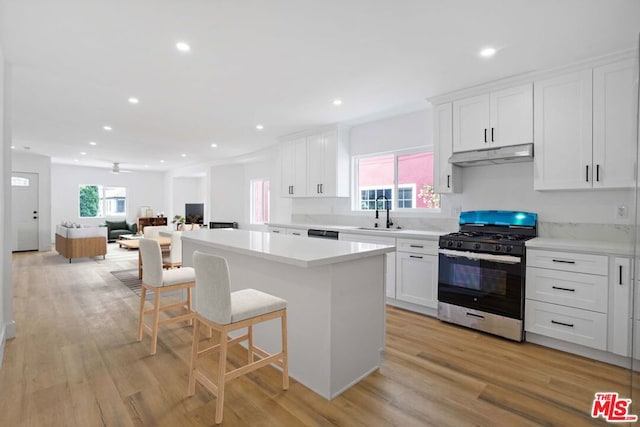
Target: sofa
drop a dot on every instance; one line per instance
(72, 242)
(118, 228)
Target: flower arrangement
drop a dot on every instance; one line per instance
(178, 219)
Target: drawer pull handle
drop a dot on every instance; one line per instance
(562, 323)
(477, 316)
(416, 246)
(275, 231)
(415, 256)
(564, 261)
(296, 234)
(563, 289)
(620, 276)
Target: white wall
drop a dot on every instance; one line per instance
(143, 189)
(228, 194)
(187, 190)
(7, 324)
(41, 165)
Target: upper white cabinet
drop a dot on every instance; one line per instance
(584, 129)
(294, 164)
(503, 117)
(316, 165)
(327, 165)
(446, 176)
(614, 112)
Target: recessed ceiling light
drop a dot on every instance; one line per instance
(92, 143)
(337, 101)
(183, 155)
(488, 52)
(146, 166)
(83, 153)
(259, 127)
(133, 100)
(107, 127)
(183, 47)
(75, 160)
(214, 145)
(13, 147)
(161, 161)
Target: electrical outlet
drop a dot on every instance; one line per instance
(455, 210)
(621, 212)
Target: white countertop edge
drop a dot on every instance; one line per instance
(352, 229)
(379, 250)
(590, 246)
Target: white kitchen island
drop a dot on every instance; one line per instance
(335, 290)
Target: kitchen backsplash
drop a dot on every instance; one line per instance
(561, 230)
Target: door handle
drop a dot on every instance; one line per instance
(620, 276)
(491, 134)
(35, 212)
(448, 181)
(35, 217)
(587, 174)
(485, 134)
(598, 173)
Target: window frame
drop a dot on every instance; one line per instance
(355, 198)
(266, 210)
(102, 202)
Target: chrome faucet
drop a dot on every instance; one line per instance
(389, 223)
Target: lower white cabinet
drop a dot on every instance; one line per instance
(417, 272)
(390, 258)
(578, 326)
(580, 298)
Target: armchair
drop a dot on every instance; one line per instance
(115, 229)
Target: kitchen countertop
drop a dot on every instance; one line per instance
(588, 246)
(352, 229)
(285, 249)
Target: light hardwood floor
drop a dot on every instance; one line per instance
(75, 362)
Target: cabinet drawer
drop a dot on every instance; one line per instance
(587, 291)
(574, 325)
(569, 261)
(429, 247)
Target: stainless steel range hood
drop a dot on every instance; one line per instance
(492, 156)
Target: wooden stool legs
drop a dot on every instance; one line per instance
(263, 358)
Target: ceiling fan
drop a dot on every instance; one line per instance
(116, 169)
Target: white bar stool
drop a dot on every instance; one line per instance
(225, 311)
(159, 281)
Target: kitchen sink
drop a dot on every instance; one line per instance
(377, 229)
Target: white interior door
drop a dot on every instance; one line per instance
(24, 200)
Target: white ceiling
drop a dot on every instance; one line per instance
(279, 63)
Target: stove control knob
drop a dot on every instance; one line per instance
(477, 246)
(509, 248)
(450, 243)
(498, 247)
(458, 244)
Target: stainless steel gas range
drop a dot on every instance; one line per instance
(481, 274)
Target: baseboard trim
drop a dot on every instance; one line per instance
(10, 330)
(2, 341)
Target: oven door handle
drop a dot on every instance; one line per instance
(502, 259)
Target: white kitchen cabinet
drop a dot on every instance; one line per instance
(567, 296)
(327, 165)
(614, 121)
(563, 137)
(316, 164)
(503, 117)
(390, 257)
(620, 314)
(417, 272)
(446, 177)
(295, 232)
(584, 129)
(294, 165)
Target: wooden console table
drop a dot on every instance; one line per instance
(143, 221)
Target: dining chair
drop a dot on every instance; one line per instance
(160, 282)
(174, 257)
(220, 309)
(153, 231)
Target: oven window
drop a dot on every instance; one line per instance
(480, 279)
